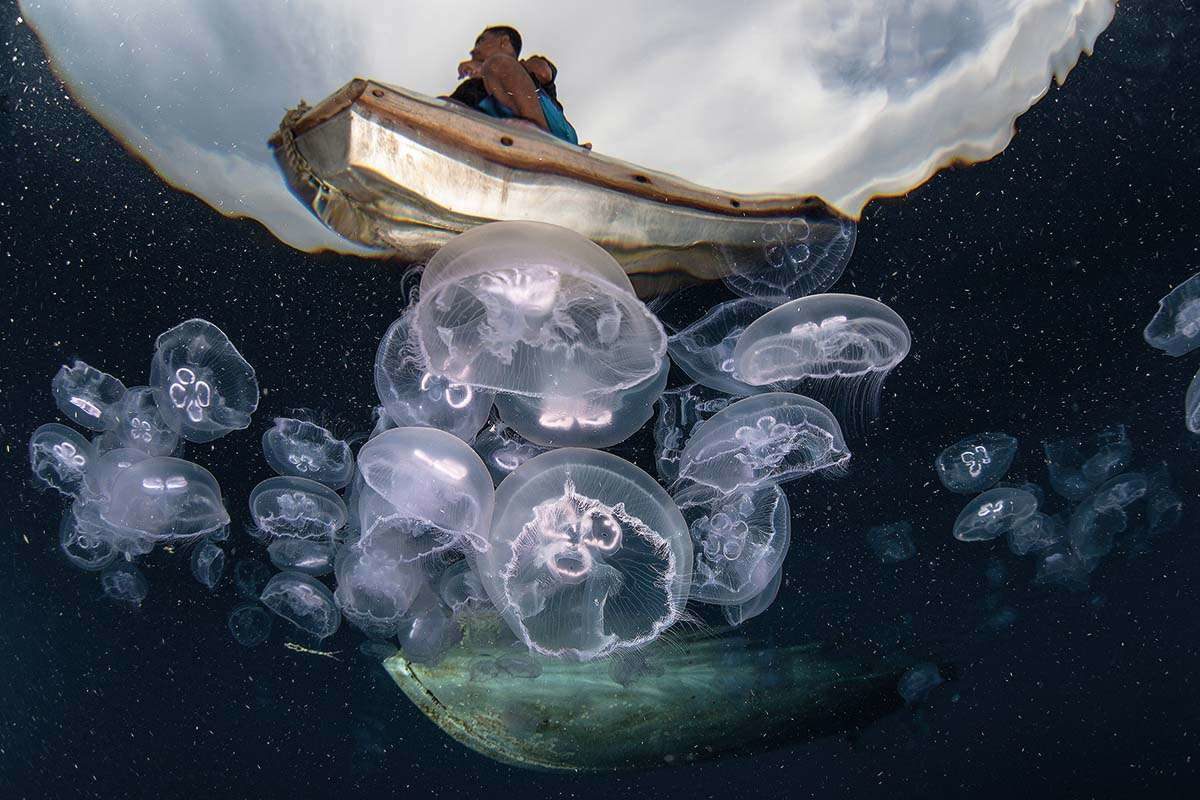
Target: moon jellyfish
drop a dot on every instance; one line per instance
(250, 624)
(1061, 567)
(768, 438)
(416, 397)
(140, 424)
(429, 475)
(304, 449)
(704, 349)
(461, 591)
(502, 449)
(976, 463)
(203, 386)
(1175, 327)
(918, 682)
(87, 396)
(124, 583)
(301, 555)
(1095, 523)
(679, 412)
(302, 601)
(297, 508)
(743, 612)
(1076, 468)
(84, 540)
(1191, 405)
(536, 310)
(592, 420)
(379, 575)
(59, 457)
(428, 630)
(1034, 534)
(839, 340)
(739, 542)
(208, 564)
(589, 556)
(993, 514)
(164, 498)
(250, 576)
(800, 256)
(892, 542)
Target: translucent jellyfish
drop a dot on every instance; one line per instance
(164, 498)
(203, 386)
(589, 555)
(416, 397)
(589, 420)
(379, 575)
(59, 458)
(502, 449)
(306, 450)
(1095, 522)
(841, 343)
(1175, 327)
(208, 564)
(141, 425)
(87, 396)
(428, 630)
(976, 463)
(302, 601)
(739, 542)
(1061, 567)
(250, 624)
(1033, 534)
(301, 555)
(993, 514)
(744, 612)
(537, 310)
(918, 682)
(1076, 468)
(104, 470)
(704, 349)
(84, 540)
(429, 475)
(1191, 405)
(297, 508)
(768, 438)
(124, 583)
(679, 412)
(460, 589)
(892, 542)
(250, 577)
(800, 256)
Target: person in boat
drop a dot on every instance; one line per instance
(501, 85)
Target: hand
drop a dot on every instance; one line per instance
(470, 69)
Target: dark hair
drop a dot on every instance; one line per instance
(514, 38)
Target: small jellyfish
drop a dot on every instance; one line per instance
(301, 555)
(461, 591)
(60, 458)
(164, 498)
(1076, 468)
(1191, 405)
(1095, 523)
(892, 542)
(302, 449)
(842, 344)
(768, 438)
(87, 396)
(1035, 533)
(85, 540)
(502, 449)
(302, 601)
(140, 425)
(1061, 567)
(378, 576)
(976, 463)
(428, 630)
(203, 387)
(124, 583)
(416, 397)
(104, 470)
(250, 577)
(993, 514)
(739, 542)
(589, 555)
(1164, 508)
(918, 682)
(250, 624)
(680, 411)
(208, 564)
(744, 612)
(792, 258)
(297, 508)
(1175, 327)
(704, 349)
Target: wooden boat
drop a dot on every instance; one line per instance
(403, 173)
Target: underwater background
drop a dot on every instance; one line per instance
(1026, 282)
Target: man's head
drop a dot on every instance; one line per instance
(542, 68)
(496, 40)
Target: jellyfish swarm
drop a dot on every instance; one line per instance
(140, 425)
(297, 508)
(87, 396)
(976, 463)
(416, 397)
(840, 345)
(304, 449)
(203, 387)
(704, 349)
(768, 438)
(797, 257)
(993, 514)
(59, 458)
(302, 601)
(1175, 327)
(588, 555)
(538, 311)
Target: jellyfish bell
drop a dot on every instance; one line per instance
(976, 462)
(87, 396)
(297, 508)
(993, 514)
(59, 458)
(796, 257)
(163, 499)
(140, 425)
(704, 349)
(85, 540)
(1175, 327)
(298, 448)
(589, 556)
(503, 449)
(105, 469)
(840, 345)
(303, 601)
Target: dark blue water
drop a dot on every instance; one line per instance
(1026, 282)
